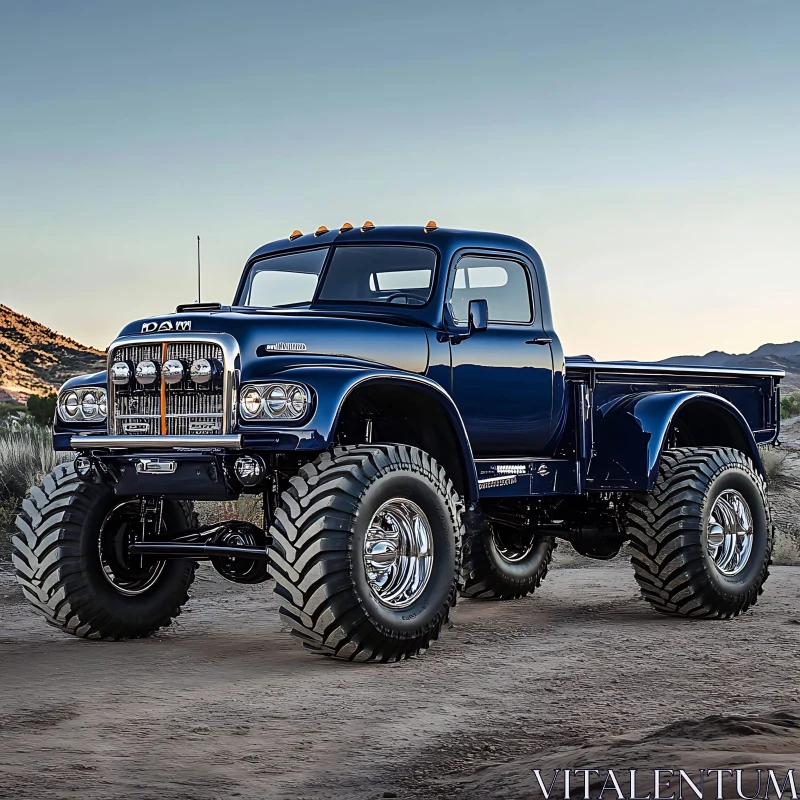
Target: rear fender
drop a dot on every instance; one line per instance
(632, 433)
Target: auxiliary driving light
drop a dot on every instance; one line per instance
(83, 466)
(173, 371)
(146, 373)
(204, 369)
(249, 470)
(121, 373)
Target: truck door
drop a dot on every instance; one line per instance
(502, 378)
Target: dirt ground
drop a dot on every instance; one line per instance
(225, 704)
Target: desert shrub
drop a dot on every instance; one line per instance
(13, 415)
(26, 456)
(790, 405)
(42, 408)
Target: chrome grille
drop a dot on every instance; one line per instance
(190, 408)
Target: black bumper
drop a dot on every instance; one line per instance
(180, 476)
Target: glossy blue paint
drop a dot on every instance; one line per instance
(332, 385)
(631, 434)
(507, 391)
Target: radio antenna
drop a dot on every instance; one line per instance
(198, 269)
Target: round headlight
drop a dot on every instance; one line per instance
(276, 401)
(89, 405)
(146, 372)
(172, 371)
(251, 402)
(103, 404)
(297, 401)
(71, 404)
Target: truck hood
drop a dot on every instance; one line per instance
(301, 337)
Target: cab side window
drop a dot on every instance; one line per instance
(502, 282)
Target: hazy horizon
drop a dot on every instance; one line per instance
(648, 152)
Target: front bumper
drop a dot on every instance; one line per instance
(277, 441)
(196, 442)
(178, 475)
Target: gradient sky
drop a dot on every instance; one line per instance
(650, 151)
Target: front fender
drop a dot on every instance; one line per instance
(631, 434)
(331, 386)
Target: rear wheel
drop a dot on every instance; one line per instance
(71, 559)
(702, 541)
(502, 562)
(367, 546)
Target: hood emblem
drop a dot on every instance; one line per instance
(287, 347)
(167, 325)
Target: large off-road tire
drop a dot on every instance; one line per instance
(345, 588)
(702, 541)
(498, 564)
(71, 539)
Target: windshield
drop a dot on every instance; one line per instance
(399, 275)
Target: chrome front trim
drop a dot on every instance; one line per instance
(230, 375)
(198, 441)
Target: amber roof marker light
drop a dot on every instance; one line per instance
(319, 231)
(346, 227)
(367, 226)
(431, 226)
(295, 234)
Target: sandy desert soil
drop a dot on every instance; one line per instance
(225, 704)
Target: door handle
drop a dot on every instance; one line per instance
(540, 340)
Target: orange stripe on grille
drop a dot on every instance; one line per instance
(163, 391)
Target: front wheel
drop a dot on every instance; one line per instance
(701, 542)
(366, 552)
(71, 558)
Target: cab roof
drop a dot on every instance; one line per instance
(445, 240)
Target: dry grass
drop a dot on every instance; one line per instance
(26, 456)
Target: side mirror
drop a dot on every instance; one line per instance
(478, 316)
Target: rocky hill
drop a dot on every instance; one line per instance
(36, 360)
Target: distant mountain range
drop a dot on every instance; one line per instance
(770, 356)
(35, 359)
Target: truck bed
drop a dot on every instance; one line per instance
(614, 425)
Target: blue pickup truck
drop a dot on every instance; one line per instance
(399, 400)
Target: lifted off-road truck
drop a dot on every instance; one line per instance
(400, 400)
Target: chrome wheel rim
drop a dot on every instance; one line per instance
(512, 551)
(730, 533)
(398, 553)
(129, 575)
